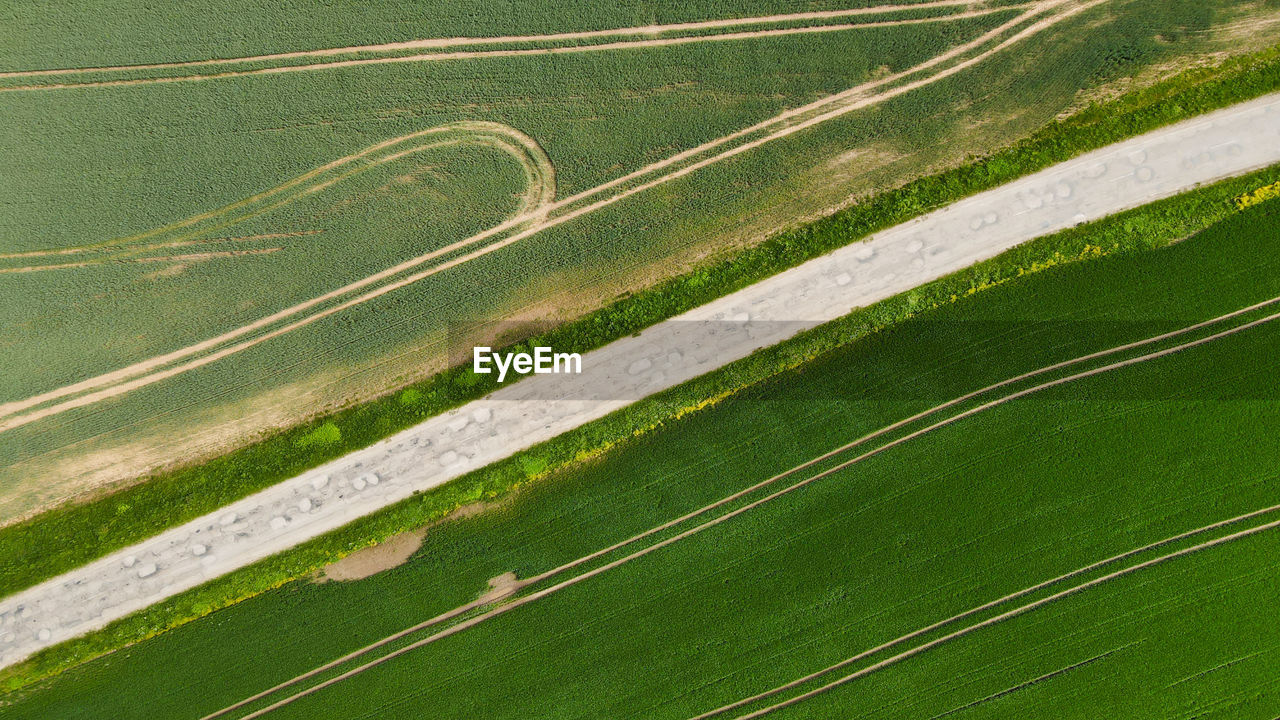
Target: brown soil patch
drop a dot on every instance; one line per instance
(372, 560)
(397, 549)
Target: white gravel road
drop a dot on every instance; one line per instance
(1160, 164)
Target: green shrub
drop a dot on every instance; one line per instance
(325, 435)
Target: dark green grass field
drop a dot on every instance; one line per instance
(987, 506)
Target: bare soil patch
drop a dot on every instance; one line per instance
(372, 560)
(501, 586)
(397, 549)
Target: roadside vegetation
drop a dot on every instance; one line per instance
(865, 553)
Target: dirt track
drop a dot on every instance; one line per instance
(187, 258)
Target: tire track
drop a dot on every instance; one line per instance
(441, 43)
(1021, 610)
(186, 258)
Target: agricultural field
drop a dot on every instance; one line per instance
(213, 223)
(1051, 498)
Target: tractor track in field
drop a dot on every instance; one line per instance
(186, 258)
(548, 213)
(1008, 614)
(513, 603)
(525, 52)
(980, 7)
(159, 246)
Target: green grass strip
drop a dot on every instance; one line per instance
(64, 538)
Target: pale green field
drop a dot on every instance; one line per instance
(88, 168)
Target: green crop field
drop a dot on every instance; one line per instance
(195, 252)
(1070, 541)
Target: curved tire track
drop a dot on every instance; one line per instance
(21, 412)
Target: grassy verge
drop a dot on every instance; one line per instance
(1002, 501)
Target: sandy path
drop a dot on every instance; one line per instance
(462, 610)
(436, 43)
(790, 122)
